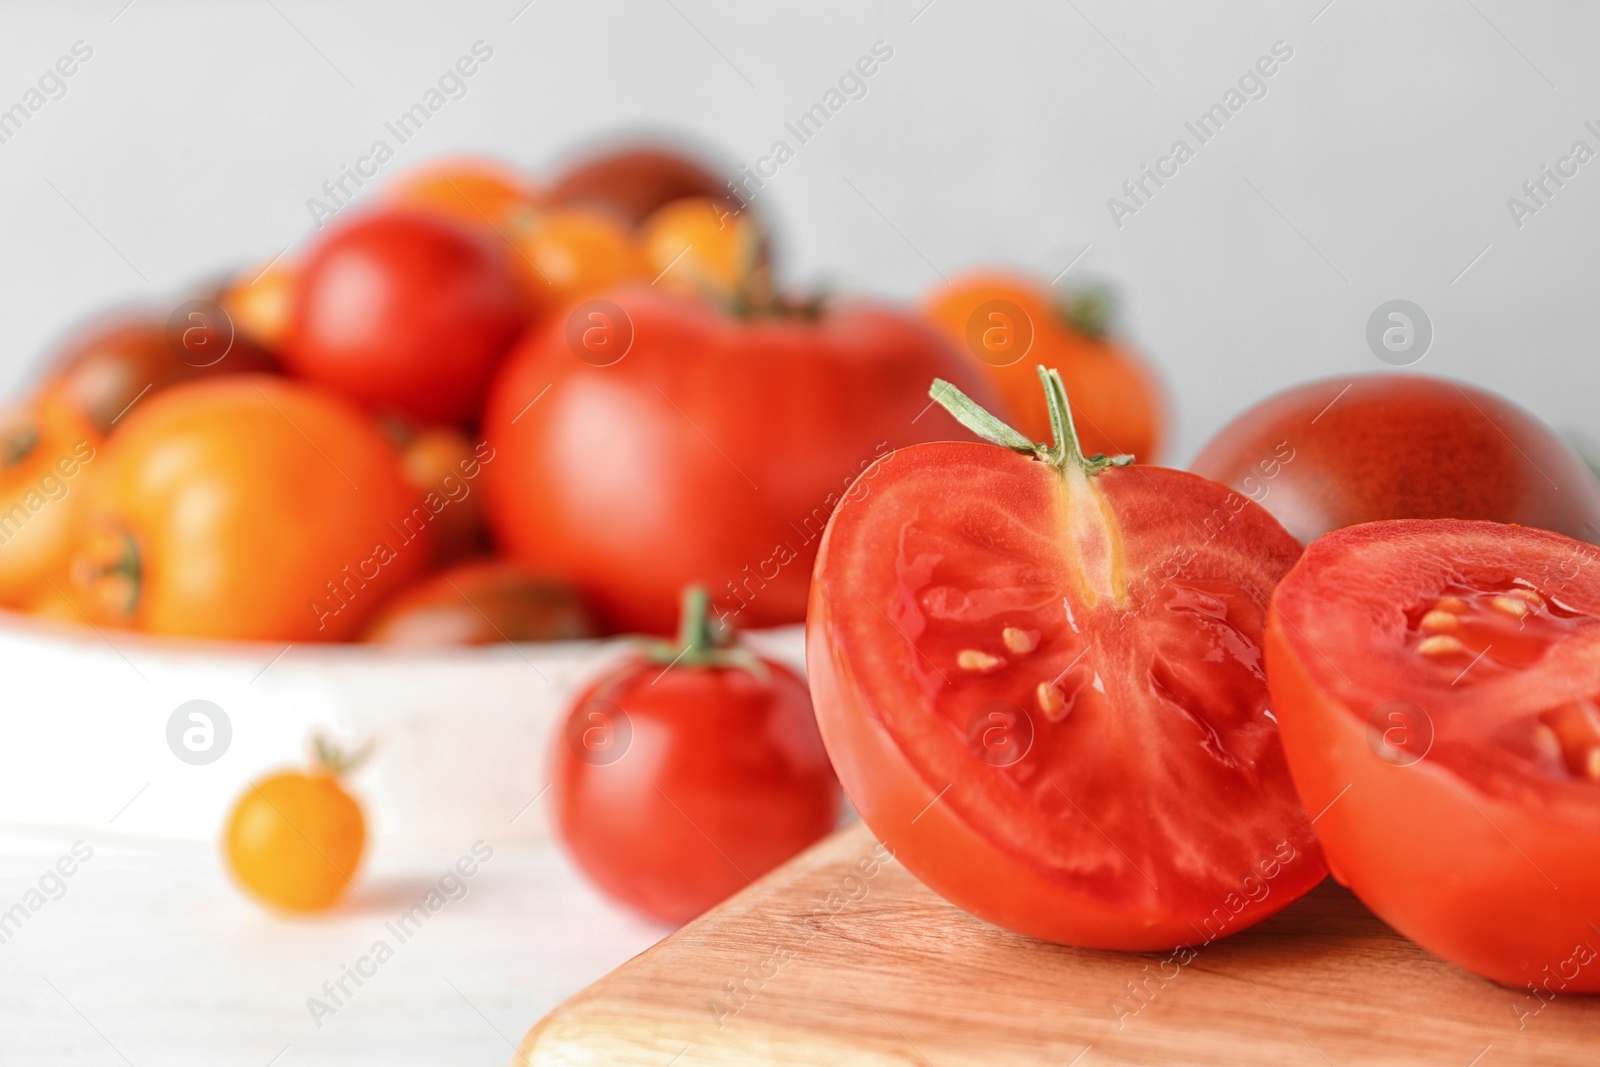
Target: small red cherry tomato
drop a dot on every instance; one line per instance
(689, 771)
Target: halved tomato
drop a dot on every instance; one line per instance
(1439, 686)
(1039, 677)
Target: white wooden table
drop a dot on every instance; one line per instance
(152, 956)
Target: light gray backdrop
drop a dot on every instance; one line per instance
(1377, 165)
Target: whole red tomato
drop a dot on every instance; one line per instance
(688, 771)
(1039, 678)
(1396, 446)
(647, 441)
(1436, 682)
(632, 182)
(406, 310)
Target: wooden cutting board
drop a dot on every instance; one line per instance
(844, 958)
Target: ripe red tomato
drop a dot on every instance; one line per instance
(1437, 684)
(405, 310)
(1395, 446)
(483, 602)
(633, 182)
(1039, 678)
(688, 771)
(707, 448)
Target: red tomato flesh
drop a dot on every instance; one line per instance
(1438, 684)
(1044, 690)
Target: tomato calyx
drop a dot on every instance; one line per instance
(755, 300)
(111, 570)
(1064, 453)
(1090, 312)
(18, 442)
(329, 759)
(701, 644)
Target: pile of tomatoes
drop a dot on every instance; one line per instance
(1120, 706)
(481, 407)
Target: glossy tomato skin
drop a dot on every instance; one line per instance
(927, 787)
(1398, 446)
(1493, 881)
(248, 507)
(110, 366)
(483, 602)
(712, 452)
(721, 777)
(46, 448)
(632, 182)
(1117, 400)
(481, 193)
(406, 310)
(294, 840)
(442, 464)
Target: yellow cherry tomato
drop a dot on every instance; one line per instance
(698, 246)
(294, 839)
(258, 302)
(569, 253)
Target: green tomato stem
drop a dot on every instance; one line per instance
(1063, 452)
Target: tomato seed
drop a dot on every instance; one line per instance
(970, 659)
(1436, 620)
(1018, 641)
(1441, 645)
(1516, 607)
(1051, 701)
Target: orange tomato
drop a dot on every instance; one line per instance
(569, 253)
(248, 507)
(1008, 324)
(294, 839)
(45, 444)
(258, 303)
(443, 466)
(480, 192)
(698, 246)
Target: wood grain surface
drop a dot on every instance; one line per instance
(842, 957)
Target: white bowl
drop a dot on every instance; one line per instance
(461, 736)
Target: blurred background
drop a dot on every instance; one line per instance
(1377, 166)
(1369, 153)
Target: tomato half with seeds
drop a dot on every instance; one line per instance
(1039, 677)
(1439, 687)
